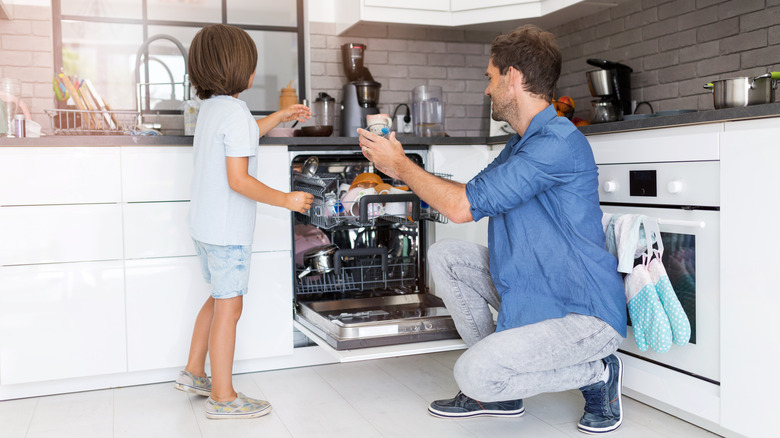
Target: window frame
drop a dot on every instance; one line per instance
(145, 22)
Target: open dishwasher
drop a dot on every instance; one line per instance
(360, 278)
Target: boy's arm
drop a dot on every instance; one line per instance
(244, 184)
(292, 112)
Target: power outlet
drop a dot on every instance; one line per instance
(402, 127)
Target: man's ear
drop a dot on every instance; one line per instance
(515, 78)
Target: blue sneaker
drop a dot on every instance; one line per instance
(604, 401)
(463, 406)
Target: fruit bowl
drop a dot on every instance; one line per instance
(565, 109)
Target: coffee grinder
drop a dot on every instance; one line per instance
(612, 85)
(361, 94)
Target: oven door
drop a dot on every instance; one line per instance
(691, 258)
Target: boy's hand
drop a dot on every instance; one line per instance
(299, 201)
(297, 112)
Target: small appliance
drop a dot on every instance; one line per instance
(611, 84)
(427, 111)
(361, 94)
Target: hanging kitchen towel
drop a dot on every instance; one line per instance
(628, 241)
(649, 320)
(608, 222)
(678, 320)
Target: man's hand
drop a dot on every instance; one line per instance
(387, 154)
(299, 201)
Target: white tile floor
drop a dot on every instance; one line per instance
(378, 398)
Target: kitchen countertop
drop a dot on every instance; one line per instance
(699, 117)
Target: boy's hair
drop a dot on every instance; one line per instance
(222, 58)
(534, 53)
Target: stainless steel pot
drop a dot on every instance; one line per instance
(744, 91)
(319, 259)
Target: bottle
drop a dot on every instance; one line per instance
(288, 97)
(190, 112)
(19, 126)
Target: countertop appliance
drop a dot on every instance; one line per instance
(361, 94)
(376, 293)
(611, 84)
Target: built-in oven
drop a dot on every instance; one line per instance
(684, 198)
(368, 288)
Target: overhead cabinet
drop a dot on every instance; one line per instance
(453, 13)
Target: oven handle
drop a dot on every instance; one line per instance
(378, 199)
(680, 223)
(380, 251)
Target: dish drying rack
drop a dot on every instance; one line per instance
(92, 122)
(326, 216)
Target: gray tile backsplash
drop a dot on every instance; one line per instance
(674, 47)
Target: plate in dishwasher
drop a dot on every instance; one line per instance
(371, 322)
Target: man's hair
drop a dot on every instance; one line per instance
(534, 53)
(222, 58)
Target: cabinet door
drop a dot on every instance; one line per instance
(60, 233)
(61, 321)
(273, 229)
(164, 296)
(749, 298)
(59, 175)
(463, 163)
(157, 229)
(161, 173)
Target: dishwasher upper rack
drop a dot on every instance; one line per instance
(326, 216)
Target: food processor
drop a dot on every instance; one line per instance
(361, 94)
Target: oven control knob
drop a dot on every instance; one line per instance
(674, 186)
(610, 186)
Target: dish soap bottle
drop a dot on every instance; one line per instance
(190, 110)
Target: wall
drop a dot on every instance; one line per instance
(673, 46)
(403, 57)
(26, 53)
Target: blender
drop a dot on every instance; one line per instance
(361, 94)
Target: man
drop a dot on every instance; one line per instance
(561, 305)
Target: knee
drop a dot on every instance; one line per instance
(439, 252)
(474, 378)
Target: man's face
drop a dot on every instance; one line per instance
(497, 90)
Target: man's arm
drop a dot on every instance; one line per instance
(447, 197)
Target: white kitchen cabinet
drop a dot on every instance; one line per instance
(749, 298)
(463, 163)
(156, 173)
(461, 12)
(157, 229)
(56, 175)
(61, 321)
(273, 229)
(60, 233)
(164, 296)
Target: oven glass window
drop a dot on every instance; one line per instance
(679, 260)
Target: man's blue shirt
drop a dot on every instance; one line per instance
(546, 241)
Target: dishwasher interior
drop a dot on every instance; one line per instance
(360, 277)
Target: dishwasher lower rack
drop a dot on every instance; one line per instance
(362, 269)
(327, 211)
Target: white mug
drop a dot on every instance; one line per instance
(379, 124)
(401, 209)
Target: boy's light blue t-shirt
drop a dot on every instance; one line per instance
(218, 215)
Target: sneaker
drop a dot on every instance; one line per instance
(241, 407)
(189, 382)
(604, 401)
(463, 406)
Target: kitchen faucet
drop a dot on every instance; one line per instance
(141, 52)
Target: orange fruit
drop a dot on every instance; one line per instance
(567, 100)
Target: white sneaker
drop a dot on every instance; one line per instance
(241, 407)
(189, 382)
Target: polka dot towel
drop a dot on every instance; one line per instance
(650, 323)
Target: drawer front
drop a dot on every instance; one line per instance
(60, 233)
(157, 229)
(156, 173)
(59, 175)
(61, 321)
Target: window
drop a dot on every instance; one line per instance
(102, 40)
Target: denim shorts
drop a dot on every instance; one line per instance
(226, 268)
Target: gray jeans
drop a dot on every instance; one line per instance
(548, 356)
